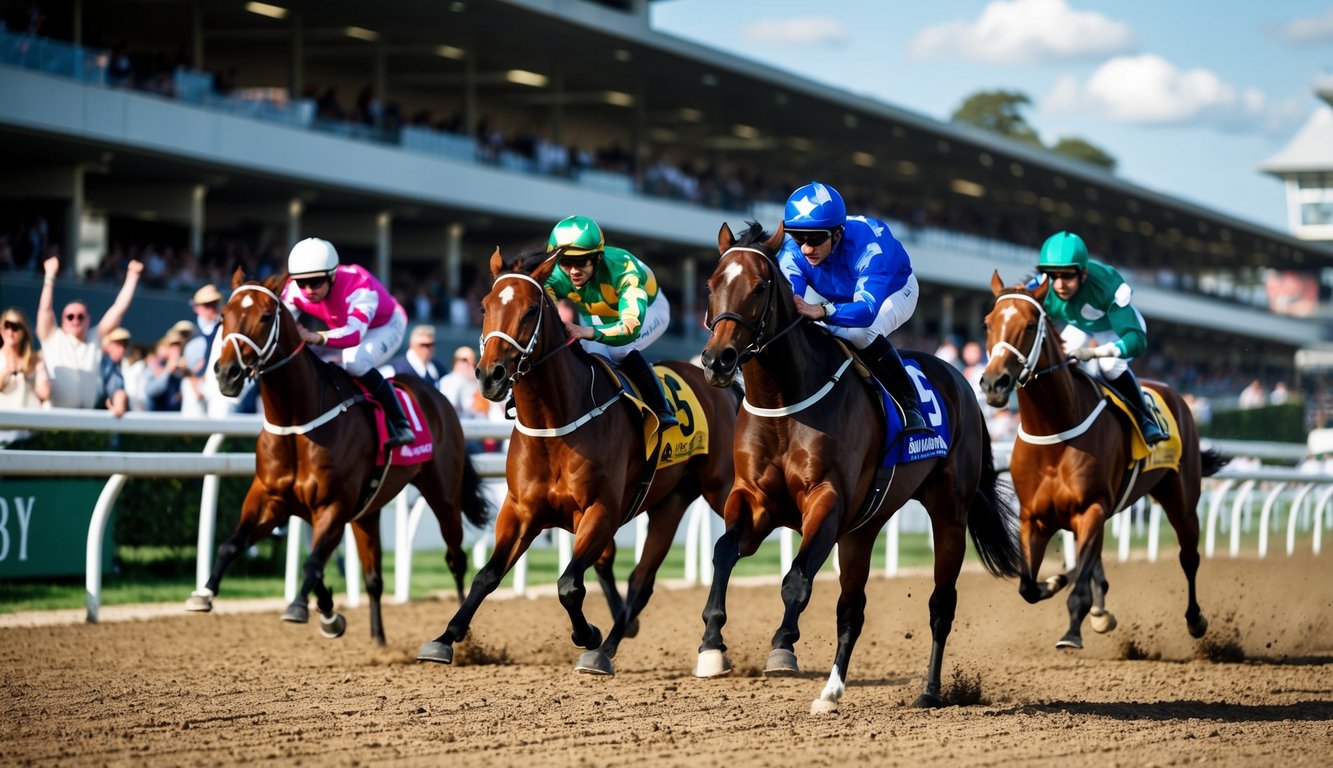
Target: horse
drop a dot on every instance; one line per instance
(808, 448)
(577, 458)
(316, 458)
(1072, 464)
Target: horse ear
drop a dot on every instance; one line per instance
(725, 238)
(1039, 293)
(775, 242)
(238, 277)
(276, 282)
(497, 262)
(546, 267)
(996, 284)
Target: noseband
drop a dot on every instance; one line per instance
(525, 350)
(262, 354)
(756, 330)
(1029, 360)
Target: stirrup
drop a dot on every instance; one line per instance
(399, 438)
(920, 428)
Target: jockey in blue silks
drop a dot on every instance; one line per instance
(852, 276)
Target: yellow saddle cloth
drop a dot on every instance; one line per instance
(684, 441)
(1164, 455)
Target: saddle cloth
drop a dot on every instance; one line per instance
(1164, 455)
(419, 450)
(682, 442)
(917, 447)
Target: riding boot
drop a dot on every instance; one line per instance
(641, 373)
(884, 362)
(1128, 388)
(400, 432)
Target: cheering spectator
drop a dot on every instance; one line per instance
(23, 379)
(111, 393)
(73, 356)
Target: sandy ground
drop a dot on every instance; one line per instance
(244, 687)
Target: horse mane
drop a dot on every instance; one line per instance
(527, 260)
(754, 235)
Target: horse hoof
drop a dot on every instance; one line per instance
(1198, 627)
(332, 626)
(823, 707)
(594, 663)
(712, 663)
(594, 639)
(928, 701)
(1102, 622)
(781, 662)
(296, 614)
(1070, 641)
(632, 628)
(437, 652)
(200, 602)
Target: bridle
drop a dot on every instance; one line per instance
(770, 299)
(525, 350)
(1029, 360)
(262, 353)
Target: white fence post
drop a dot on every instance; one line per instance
(96, 530)
(891, 547)
(785, 540)
(295, 530)
(1264, 515)
(208, 516)
(351, 567)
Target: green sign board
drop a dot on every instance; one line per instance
(44, 526)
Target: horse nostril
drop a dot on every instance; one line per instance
(706, 358)
(728, 358)
(497, 373)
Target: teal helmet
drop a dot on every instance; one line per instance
(578, 236)
(1062, 251)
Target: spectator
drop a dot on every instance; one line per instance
(419, 359)
(1280, 394)
(73, 358)
(111, 393)
(135, 370)
(460, 384)
(24, 382)
(1252, 396)
(166, 370)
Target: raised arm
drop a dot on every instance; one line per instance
(111, 320)
(46, 312)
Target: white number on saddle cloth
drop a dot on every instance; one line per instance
(930, 406)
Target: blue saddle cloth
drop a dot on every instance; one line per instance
(898, 450)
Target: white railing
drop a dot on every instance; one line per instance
(1283, 489)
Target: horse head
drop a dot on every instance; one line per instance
(518, 320)
(1017, 332)
(251, 334)
(743, 300)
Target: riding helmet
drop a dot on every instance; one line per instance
(1063, 250)
(815, 206)
(578, 235)
(312, 257)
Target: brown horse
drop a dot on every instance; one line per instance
(577, 458)
(1071, 464)
(315, 458)
(808, 448)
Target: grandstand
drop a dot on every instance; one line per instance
(418, 135)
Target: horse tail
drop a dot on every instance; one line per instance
(1211, 460)
(992, 518)
(476, 507)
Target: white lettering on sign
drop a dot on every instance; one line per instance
(24, 519)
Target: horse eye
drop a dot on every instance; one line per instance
(481, 308)
(758, 289)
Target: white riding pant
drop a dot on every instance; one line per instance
(655, 321)
(377, 346)
(895, 311)
(1111, 367)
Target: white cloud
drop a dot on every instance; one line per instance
(808, 30)
(1312, 30)
(1149, 90)
(1024, 32)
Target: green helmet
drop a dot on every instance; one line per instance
(1063, 250)
(578, 235)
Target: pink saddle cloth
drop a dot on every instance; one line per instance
(420, 449)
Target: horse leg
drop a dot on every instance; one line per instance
(606, 577)
(854, 559)
(662, 523)
(950, 549)
(325, 535)
(816, 543)
(512, 539)
(712, 661)
(1100, 619)
(368, 547)
(595, 529)
(1033, 538)
(1180, 509)
(1088, 531)
(259, 516)
(445, 506)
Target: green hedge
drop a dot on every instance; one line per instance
(160, 511)
(1273, 423)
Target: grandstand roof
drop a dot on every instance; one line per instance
(1311, 150)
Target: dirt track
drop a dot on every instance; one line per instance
(223, 689)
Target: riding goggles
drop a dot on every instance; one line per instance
(811, 237)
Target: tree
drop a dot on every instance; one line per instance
(1000, 112)
(1080, 149)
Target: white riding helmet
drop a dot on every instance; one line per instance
(312, 257)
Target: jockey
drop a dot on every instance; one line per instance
(620, 305)
(1093, 301)
(365, 323)
(852, 276)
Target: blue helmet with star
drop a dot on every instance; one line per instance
(814, 206)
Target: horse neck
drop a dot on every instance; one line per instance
(768, 375)
(1054, 400)
(549, 393)
(291, 394)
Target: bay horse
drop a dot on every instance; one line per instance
(808, 448)
(1072, 465)
(577, 458)
(316, 457)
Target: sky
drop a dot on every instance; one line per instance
(1189, 96)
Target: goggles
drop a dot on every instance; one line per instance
(811, 237)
